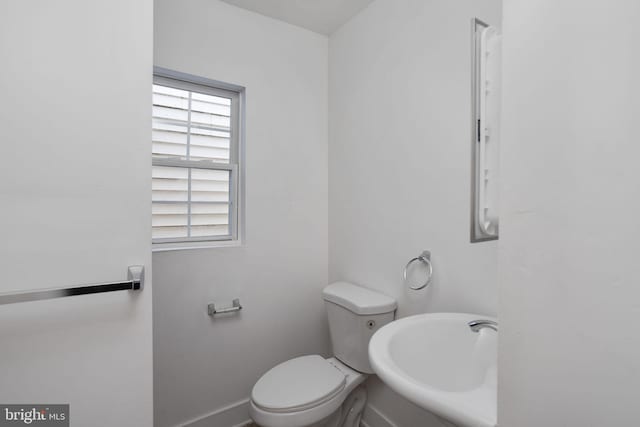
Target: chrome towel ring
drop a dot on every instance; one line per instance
(425, 258)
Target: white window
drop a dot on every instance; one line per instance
(195, 151)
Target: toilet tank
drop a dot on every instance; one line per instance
(355, 314)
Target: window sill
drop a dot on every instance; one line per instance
(184, 246)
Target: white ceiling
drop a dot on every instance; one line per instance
(321, 16)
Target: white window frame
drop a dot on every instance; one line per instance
(477, 233)
(183, 81)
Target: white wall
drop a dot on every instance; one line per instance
(75, 189)
(201, 365)
(399, 161)
(570, 300)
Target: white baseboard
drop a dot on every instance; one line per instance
(372, 417)
(234, 415)
(237, 415)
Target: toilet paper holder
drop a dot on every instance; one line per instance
(235, 306)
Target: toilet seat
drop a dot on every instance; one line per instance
(295, 374)
(297, 385)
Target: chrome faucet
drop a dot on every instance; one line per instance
(476, 325)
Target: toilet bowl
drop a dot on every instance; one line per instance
(311, 391)
(308, 391)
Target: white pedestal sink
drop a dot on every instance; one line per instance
(437, 362)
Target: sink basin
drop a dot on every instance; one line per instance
(437, 362)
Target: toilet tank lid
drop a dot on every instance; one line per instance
(357, 299)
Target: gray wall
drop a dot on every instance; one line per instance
(399, 161)
(569, 297)
(203, 365)
(75, 188)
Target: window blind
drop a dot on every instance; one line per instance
(193, 164)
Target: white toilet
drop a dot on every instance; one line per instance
(313, 391)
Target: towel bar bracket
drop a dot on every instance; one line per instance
(136, 275)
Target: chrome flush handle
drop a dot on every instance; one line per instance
(477, 325)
